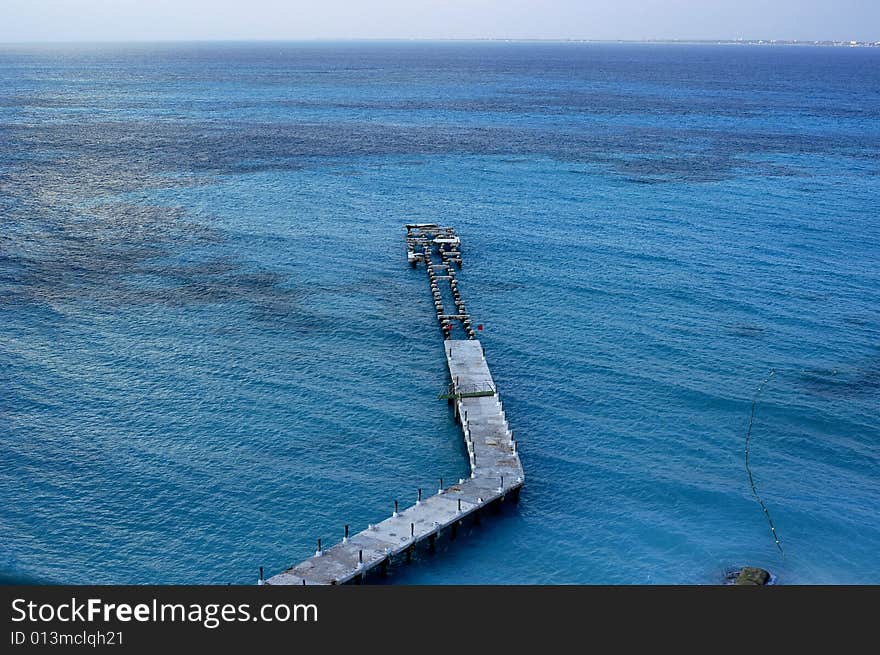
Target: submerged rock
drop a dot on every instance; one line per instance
(751, 575)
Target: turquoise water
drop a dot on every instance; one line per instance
(214, 351)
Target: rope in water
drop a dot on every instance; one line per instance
(749, 468)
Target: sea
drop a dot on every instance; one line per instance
(213, 351)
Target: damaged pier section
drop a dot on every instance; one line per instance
(496, 471)
(439, 249)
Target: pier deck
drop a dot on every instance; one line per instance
(496, 471)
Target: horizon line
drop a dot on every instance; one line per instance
(653, 40)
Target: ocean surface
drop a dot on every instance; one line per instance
(213, 351)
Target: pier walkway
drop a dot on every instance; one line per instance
(496, 472)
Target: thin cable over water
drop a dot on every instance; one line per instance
(749, 468)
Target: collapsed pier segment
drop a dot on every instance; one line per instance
(439, 249)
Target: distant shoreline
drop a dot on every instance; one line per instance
(837, 44)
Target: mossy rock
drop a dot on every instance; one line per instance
(751, 575)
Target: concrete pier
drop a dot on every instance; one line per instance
(496, 471)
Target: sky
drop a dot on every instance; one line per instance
(149, 20)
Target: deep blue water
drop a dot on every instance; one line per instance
(213, 351)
